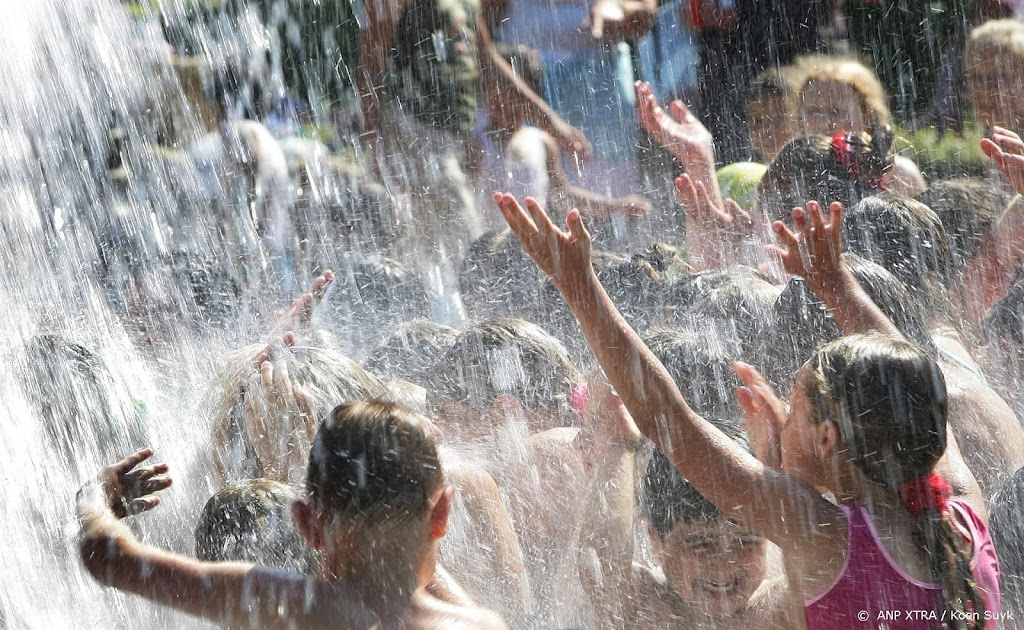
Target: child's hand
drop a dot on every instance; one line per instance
(564, 257)
(821, 263)
(765, 414)
(700, 208)
(681, 134)
(279, 417)
(572, 140)
(301, 312)
(127, 490)
(1006, 150)
(608, 420)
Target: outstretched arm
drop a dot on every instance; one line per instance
(229, 594)
(766, 500)
(814, 253)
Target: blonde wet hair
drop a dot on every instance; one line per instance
(870, 94)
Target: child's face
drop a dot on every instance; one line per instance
(995, 87)
(830, 106)
(799, 433)
(714, 566)
(770, 125)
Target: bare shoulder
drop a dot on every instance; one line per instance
(438, 614)
(772, 603)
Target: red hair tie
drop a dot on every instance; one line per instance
(579, 398)
(844, 153)
(925, 493)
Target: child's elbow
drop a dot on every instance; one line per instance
(102, 555)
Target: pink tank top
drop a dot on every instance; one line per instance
(873, 592)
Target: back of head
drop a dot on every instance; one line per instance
(1002, 36)
(969, 209)
(411, 350)
(908, 239)
(251, 521)
(83, 410)
(373, 463)
(497, 278)
(888, 401)
(506, 357)
(824, 169)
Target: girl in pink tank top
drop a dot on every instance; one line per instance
(867, 423)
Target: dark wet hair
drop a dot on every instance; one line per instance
(251, 521)
(969, 209)
(80, 405)
(806, 169)
(411, 350)
(371, 463)
(506, 356)
(888, 400)
(800, 322)
(908, 239)
(775, 82)
(498, 279)
(700, 366)
(737, 302)
(1003, 325)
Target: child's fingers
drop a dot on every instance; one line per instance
(133, 460)
(267, 374)
(540, 218)
(577, 230)
(737, 212)
(817, 218)
(282, 380)
(800, 221)
(785, 236)
(521, 223)
(143, 504)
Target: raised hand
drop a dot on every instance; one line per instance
(608, 420)
(701, 208)
(1006, 150)
(765, 414)
(564, 257)
(279, 417)
(573, 141)
(681, 134)
(814, 252)
(301, 311)
(128, 490)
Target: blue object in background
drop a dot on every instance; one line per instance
(667, 57)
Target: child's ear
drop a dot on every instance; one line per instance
(827, 439)
(308, 524)
(440, 508)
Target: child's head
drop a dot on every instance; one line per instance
(840, 95)
(411, 350)
(771, 120)
(497, 277)
(375, 495)
(508, 359)
(251, 521)
(994, 73)
(825, 169)
(908, 239)
(878, 401)
(969, 209)
(710, 562)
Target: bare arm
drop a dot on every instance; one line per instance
(229, 594)
(500, 83)
(770, 502)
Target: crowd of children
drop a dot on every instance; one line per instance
(804, 414)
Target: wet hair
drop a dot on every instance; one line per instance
(865, 84)
(411, 350)
(888, 401)
(1005, 36)
(81, 406)
(909, 240)
(807, 169)
(373, 463)
(700, 366)
(1006, 524)
(325, 376)
(969, 209)
(251, 521)
(506, 356)
(801, 323)
(497, 277)
(739, 308)
(373, 296)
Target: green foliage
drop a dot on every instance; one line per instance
(941, 156)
